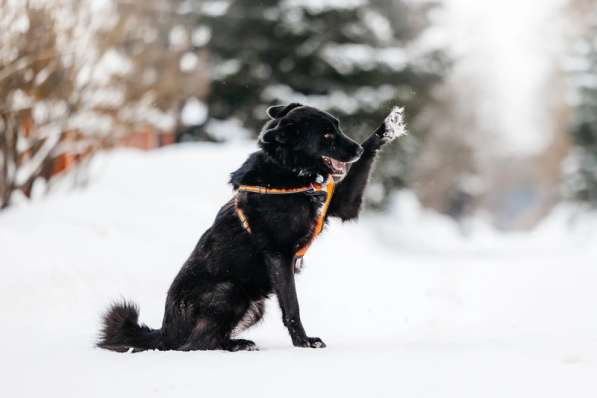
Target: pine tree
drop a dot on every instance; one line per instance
(355, 59)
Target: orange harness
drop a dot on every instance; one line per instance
(327, 187)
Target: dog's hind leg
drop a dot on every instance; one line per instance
(218, 312)
(209, 335)
(253, 315)
(240, 345)
(206, 335)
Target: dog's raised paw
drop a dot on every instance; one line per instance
(394, 124)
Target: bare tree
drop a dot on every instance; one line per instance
(75, 77)
(36, 84)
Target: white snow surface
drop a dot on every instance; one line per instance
(407, 305)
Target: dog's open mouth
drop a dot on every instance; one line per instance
(336, 167)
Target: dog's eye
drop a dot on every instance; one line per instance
(328, 136)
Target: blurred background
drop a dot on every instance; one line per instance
(501, 97)
(470, 273)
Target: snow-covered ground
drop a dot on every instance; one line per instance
(407, 306)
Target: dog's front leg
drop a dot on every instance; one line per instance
(281, 270)
(347, 200)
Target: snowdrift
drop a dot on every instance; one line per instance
(441, 315)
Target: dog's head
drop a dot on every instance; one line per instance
(308, 140)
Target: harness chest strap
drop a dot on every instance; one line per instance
(328, 188)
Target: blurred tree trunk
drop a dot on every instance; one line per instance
(8, 153)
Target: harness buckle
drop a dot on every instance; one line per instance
(316, 190)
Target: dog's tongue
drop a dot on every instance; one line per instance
(338, 166)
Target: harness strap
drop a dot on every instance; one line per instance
(320, 218)
(241, 216)
(328, 188)
(272, 191)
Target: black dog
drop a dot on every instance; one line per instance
(252, 248)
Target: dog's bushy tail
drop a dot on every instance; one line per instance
(121, 330)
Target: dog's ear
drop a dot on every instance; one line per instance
(275, 134)
(281, 133)
(277, 111)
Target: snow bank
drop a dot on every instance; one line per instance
(407, 305)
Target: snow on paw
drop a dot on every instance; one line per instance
(312, 342)
(316, 343)
(394, 124)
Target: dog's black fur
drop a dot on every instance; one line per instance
(222, 287)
